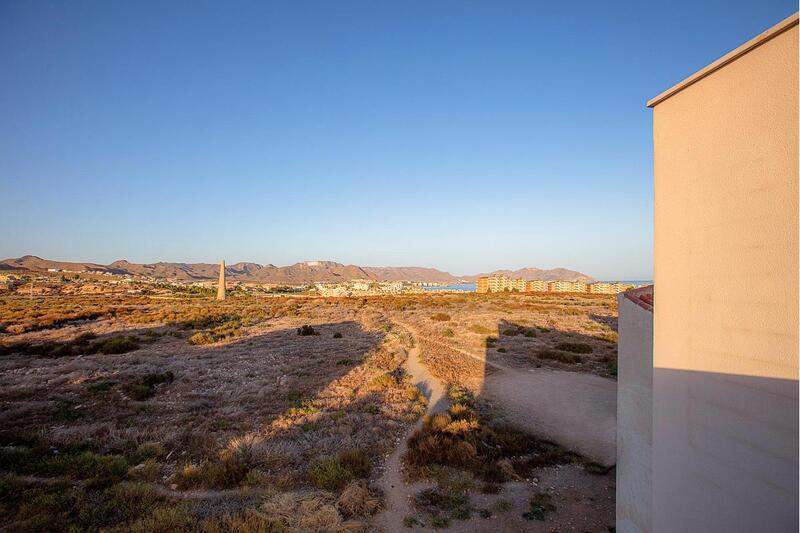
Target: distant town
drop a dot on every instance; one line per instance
(507, 284)
(54, 280)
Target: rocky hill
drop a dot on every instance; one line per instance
(305, 272)
(551, 274)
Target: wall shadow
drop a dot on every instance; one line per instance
(552, 387)
(283, 398)
(721, 443)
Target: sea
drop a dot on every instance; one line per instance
(462, 287)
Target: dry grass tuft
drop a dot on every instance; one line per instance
(358, 500)
(462, 440)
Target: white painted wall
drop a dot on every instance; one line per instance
(634, 418)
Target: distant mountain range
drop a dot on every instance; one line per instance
(306, 272)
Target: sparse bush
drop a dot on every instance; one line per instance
(384, 381)
(539, 506)
(358, 500)
(201, 338)
(116, 345)
(561, 357)
(306, 330)
(188, 477)
(256, 478)
(440, 522)
(459, 439)
(148, 450)
(480, 330)
(86, 465)
(147, 471)
(574, 347)
(490, 342)
(356, 461)
(303, 407)
(78, 346)
(65, 410)
(100, 387)
(441, 317)
(145, 386)
(504, 505)
(448, 333)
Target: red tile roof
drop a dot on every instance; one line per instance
(642, 296)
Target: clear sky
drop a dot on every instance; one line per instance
(467, 136)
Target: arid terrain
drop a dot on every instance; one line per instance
(288, 413)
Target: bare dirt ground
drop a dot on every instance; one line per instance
(184, 414)
(552, 403)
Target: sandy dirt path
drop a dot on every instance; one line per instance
(396, 491)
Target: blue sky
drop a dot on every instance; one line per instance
(467, 136)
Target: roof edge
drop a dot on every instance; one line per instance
(644, 297)
(771, 33)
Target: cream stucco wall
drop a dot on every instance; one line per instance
(725, 389)
(634, 418)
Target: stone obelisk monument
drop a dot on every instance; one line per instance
(221, 285)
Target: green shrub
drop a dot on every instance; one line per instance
(337, 335)
(86, 465)
(490, 342)
(329, 474)
(448, 333)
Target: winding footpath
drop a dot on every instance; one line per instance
(396, 492)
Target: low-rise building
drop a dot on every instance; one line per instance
(561, 286)
(536, 285)
(482, 285)
(360, 284)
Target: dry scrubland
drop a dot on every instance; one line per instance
(186, 414)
